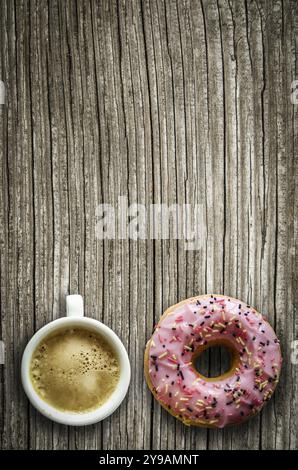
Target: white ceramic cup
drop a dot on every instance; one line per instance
(75, 318)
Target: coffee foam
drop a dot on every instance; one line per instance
(74, 370)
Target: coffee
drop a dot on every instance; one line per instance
(74, 370)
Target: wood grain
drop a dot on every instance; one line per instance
(162, 101)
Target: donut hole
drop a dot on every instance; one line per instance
(214, 361)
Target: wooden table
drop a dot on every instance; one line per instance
(168, 102)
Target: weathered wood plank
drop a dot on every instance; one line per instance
(161, 101)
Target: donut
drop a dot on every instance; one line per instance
(183, 332)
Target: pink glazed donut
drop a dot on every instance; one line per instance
(191, 326)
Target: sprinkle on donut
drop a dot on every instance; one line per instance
(183, 332)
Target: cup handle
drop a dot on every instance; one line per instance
(74, 306)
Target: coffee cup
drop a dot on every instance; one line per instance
(75, 319)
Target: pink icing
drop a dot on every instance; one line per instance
(220, 402)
